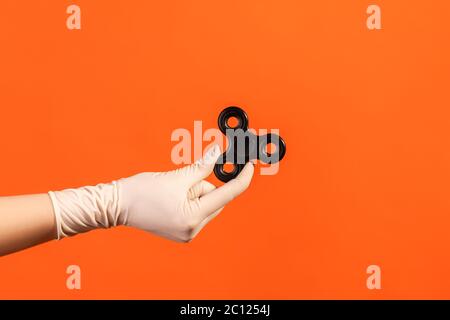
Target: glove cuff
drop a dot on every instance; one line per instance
(83, 209)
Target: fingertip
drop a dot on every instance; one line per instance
(245, 176)
(212, 155)
(248, 170)
(203, 167)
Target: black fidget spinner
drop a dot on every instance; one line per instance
(244, 145)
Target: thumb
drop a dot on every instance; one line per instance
(203, 167)
(219, 197)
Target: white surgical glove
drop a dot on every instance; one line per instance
(175, 204)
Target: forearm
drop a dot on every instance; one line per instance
(25, 221)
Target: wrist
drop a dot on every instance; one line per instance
(87, 208)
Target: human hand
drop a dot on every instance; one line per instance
(175, 204)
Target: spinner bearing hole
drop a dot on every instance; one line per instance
(228, 167)
(270, 148)
(233, 122)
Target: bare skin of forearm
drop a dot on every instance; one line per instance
(25, 221)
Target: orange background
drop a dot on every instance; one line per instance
(365, 115)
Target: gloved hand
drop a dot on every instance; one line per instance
(175, 204)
